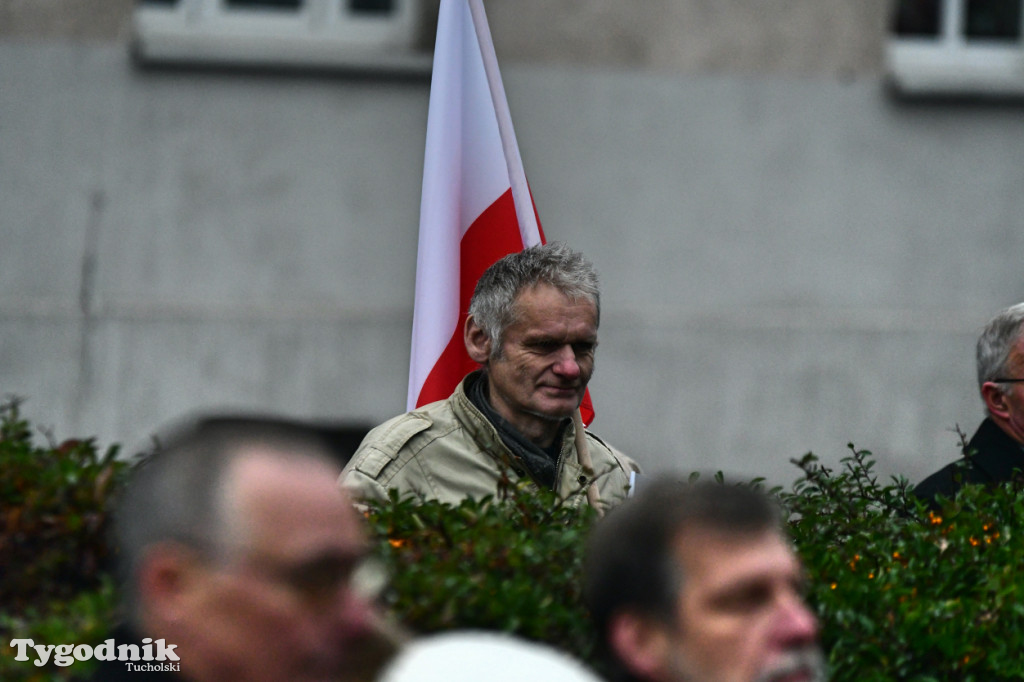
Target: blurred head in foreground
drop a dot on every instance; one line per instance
(698, 583)
(237, 546)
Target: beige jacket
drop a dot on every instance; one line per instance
(448, 450)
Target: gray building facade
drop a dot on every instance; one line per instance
(791, 259)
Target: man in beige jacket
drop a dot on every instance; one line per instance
(532, 326)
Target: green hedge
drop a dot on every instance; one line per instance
(903, 593)
(908, 593)
(55, 561)
(512, 565)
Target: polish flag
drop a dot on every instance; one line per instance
(476, 205)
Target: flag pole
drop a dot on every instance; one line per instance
(525, 214)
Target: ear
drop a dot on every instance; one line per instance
(478, 342)
(167, 577)
(995, 401)
(641, 644)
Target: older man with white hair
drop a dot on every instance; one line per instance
(532, 328)
(995, 451)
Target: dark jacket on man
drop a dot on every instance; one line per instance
(991, 457)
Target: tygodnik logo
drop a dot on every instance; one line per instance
(66, 654)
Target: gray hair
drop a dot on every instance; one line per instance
(175, 494)
(630, 565)
(995, 343)
(493, 302)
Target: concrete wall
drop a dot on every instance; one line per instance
(788, 264)
(824, 37)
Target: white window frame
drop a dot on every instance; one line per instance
(321, 33)
(950, 64)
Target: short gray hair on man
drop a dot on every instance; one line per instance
(176, 495)
(995, 342)
(493, 302)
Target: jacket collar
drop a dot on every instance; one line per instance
(997, 454)
(482, 431)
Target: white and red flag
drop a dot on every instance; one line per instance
(476, 206)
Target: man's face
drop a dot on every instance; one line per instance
(1011, 407)
(740, 616)
(279, 606)
(546, 359)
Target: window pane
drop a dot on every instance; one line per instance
(371, 6)
(992, 19)
(917, 18)
(264, 4)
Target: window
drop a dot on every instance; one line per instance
(293, 5)
(977, 19)
(371, 6)
(377, 35)
(917, 18)
(956, 47)
(992, 20)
